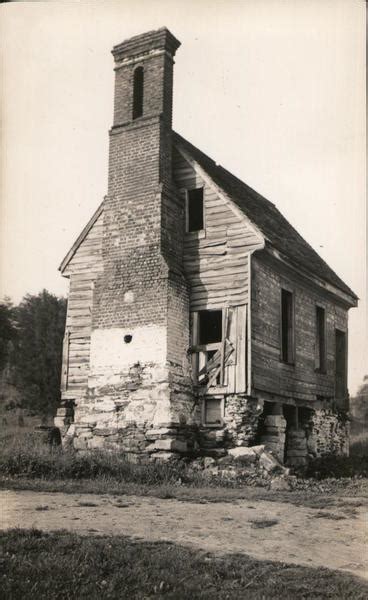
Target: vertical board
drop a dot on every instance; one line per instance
(232, 362)
(241, 340)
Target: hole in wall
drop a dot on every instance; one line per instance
(128, 338)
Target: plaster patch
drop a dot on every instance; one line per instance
(109, 351)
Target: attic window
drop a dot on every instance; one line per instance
(138, 92)
(287, 326)
(194, 210)
(210, 326)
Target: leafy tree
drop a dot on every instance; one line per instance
(40, 329)
(8, 331)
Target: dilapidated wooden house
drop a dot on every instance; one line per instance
(198, 318)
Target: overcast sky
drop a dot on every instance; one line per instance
(272, 89)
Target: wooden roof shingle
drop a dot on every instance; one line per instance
(267, 218)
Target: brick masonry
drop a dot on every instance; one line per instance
(139, 381)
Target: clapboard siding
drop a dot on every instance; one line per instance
(216, 265)
(299, 381)
(83, 269)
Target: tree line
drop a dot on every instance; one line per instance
(31, 338)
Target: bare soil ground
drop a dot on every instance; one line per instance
(334, 537)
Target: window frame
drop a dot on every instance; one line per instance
(201, 349)
(341, 400)
(320, 347)
(221, 399)
(198, 232)
(290, 360)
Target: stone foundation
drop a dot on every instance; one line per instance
(296, 448)
(241, 420)
(149, 412)
(142, 408)
(273, 436)
(327, 433)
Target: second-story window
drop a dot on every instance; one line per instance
(138, 82)
(341, 392)
(194, 210)
(287, 326)
(320, 358)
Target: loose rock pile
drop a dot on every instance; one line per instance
(253, 465)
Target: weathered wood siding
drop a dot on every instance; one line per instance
(299, 381)
(82, 269)
(216, 263)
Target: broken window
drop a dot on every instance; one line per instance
(340, 365)
(211, 349)
(287, 326)
(194, 209)
(138, 80)
(212, 412)
(210, 339)
(320, 360)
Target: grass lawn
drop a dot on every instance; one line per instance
(66, 566)
(27, 464)
(325, 494)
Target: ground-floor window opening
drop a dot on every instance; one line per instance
(207, 338)
(212, 412)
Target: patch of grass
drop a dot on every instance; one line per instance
(87, 504)
(30, 458)
(359, 444)
(263, 523)
(335, 493)
(328, 515)
(12, 430)
(42, 507)
(55, 566)
(337, 466)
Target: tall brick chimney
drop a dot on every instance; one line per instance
(140, 318)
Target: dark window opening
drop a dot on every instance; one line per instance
(210, 327)
(320, 339)
(291, 415)
(340, 365)
(138, 93)
(287, 327)
(195, 209)
(212, 411)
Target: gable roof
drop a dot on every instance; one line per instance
(267, 218)
(85, 231)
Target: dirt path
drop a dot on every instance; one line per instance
(334, 538)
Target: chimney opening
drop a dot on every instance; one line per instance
(138, 81)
